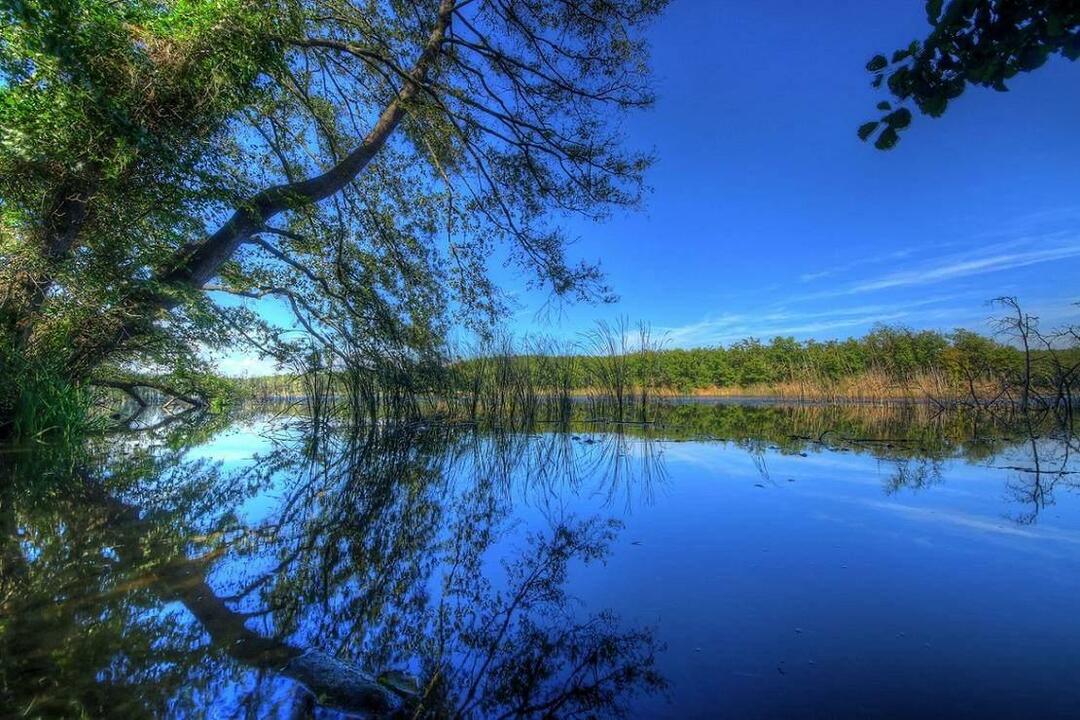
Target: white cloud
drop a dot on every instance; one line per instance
(989, 258)
(244, 364)
(959, 267)
(777, 321)
(851, 265)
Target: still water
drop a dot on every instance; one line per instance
(726, 562)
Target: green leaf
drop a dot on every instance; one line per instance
(1033, 57)
(878, 62)
(1071, 48)
(887, 139)
(899, 119)
(867, 129)
(884, 105)
(933, 11)
(934, 106)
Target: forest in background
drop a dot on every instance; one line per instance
(362, 164)
(621, 369)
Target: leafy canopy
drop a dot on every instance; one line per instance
(361, 162)
(972, 42)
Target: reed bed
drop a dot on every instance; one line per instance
(622, 373)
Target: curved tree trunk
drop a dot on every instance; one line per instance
(333, 682)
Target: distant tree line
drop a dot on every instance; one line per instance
(887, 362)
(897, 354)
(620, 370)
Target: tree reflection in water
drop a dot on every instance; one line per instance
(387, 572)
(353, 573)
(1038, 449)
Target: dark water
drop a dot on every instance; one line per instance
(728, 562)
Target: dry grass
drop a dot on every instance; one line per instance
(867, 387)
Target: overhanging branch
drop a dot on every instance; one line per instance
(197, 263)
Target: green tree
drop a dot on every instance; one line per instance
(971, 42)
(360, 162)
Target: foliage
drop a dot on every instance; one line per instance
(971, 42)
(898, 354)
(37, 399)
(356, 164)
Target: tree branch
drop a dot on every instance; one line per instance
(196, 264)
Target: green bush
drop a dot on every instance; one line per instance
(38, 401)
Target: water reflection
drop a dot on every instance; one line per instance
(158, 583)
(237, 567)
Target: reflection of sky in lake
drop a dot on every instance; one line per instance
(832, 583)
(811, 590)
(782, 583)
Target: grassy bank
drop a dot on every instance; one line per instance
(37, 400)
(621, 370)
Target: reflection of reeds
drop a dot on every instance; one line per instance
(623, 373)
(622, 370)
(622, 462)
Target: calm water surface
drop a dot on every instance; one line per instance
(729, 561)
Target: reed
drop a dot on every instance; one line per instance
(868, 387)
(38, 402)
(621, 373)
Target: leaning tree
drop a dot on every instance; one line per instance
(360, 162)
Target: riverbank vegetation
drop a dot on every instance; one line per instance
(362, 167)
(619, 372)
(359, 164)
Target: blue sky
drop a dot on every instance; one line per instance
(767, 216)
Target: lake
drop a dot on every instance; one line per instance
(725, 561)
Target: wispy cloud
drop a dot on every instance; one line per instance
(990, 258)
(931, 284)
(958, 268)
(773, 322)
(852, 264)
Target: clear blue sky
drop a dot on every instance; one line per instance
(767, 216)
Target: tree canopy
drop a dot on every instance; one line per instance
(361, 161)
(971, 42)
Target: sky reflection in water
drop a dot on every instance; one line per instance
(735, 562)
